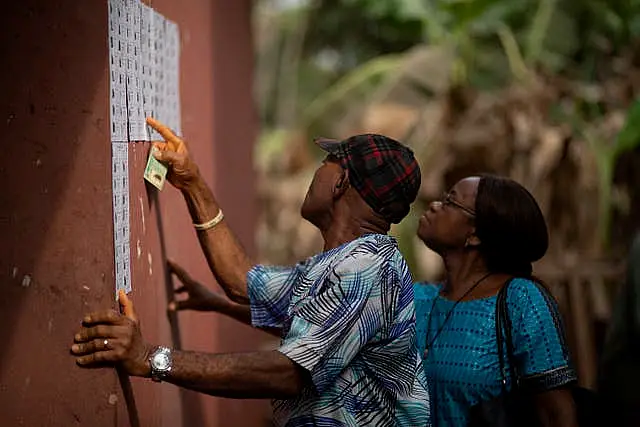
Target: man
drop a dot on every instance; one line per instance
(346, 317)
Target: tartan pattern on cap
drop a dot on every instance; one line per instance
(383, 171)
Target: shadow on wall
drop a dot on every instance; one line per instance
(55, 207)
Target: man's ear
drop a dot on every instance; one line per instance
(472, 241)
(341, 184)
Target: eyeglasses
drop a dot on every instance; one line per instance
(448, 200)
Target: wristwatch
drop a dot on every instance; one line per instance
(161, 363)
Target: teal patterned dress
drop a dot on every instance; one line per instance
(462, 363)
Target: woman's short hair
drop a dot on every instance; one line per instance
(510, 225)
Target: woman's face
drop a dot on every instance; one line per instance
(449, 222)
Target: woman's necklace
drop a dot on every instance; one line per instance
(446, 318)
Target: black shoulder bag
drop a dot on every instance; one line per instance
(516, 407)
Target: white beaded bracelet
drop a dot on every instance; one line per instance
(210, 224)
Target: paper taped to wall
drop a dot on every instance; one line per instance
(121, 233)
(144, 50)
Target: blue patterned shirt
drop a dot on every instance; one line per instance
(462, 363)
(347, 317)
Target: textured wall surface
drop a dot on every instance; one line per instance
(55, 210)
(56, 251)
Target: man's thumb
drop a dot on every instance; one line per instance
(179, 305)
(126, 305)
(166, 156)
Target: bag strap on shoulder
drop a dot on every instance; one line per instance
(503, 336)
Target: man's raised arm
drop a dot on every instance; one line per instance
(227, 259)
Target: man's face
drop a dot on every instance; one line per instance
(320, 196)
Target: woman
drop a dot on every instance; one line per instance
(488, 231)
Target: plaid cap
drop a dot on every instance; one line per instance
(383, 171)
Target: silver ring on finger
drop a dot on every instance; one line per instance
(106, 344)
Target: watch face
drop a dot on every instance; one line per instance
(161, 361)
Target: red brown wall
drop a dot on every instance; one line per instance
(55, 210)
(56, 217)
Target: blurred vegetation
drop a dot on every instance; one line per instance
(544, 91)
